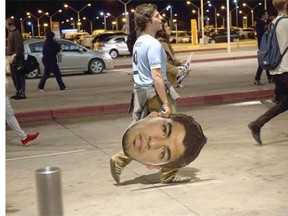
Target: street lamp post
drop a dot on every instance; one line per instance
(32, 28)
(235, 1)
(116, 19)
(215, 12)
(176, 29)
(78, 13)
(50, 17)
(21, 22)
(38, 19)
(252, 12)
(244, 19)
(169, 7)
(222, 7)
(126, 15)
(198, 13)
(223, 19)
(91, 23)
(104, 15)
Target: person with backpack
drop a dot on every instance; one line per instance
(279, 73)
(260, 30)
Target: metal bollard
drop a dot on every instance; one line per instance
(49, 192)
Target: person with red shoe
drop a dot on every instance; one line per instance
(11, 120)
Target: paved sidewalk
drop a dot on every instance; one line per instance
(217, 77)
(231, 177)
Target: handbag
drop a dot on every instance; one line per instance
(26, 66)
(31, 64)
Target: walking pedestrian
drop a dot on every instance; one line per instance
(172, 65)
(11, 120)
(50, 50)
(151, 91)
(15, 47)
(279, 74)
(261, 27)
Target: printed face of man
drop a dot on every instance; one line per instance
(154, 141)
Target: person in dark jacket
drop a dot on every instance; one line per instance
(261, 27)
(15, 47)
(50, 50)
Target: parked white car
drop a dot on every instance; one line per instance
(86, 40)
(247, 33)
(74, 57)
(115, 46)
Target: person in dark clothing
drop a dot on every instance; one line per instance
(50, 50)
(261, 27)
(15, 47)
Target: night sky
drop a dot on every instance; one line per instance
(19, 8)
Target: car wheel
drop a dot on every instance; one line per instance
(33, 74)
(96, 66)
(114, 53)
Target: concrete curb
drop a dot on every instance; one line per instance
(200, 60)
(122, 108)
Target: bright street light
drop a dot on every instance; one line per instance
(38, 19)
(215, 12)
(104, 15)
(252, 12)
(78, 13)
(32, 28)
(126, 15)
(50, 17)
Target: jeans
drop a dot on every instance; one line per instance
(51, 68)
(18, 80)
(259, 73)
(281, 94)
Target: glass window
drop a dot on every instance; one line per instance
(120, 40)
(36, 47)
(69, 47)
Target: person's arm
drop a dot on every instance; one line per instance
(18, 41)
(160, 89)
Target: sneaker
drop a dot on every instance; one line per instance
(64, 89)
(29, 138)
(115, 170)
(40, 90)
(258, 82)
(255, 132)
(177, 179)
(20, 97)
(180, 86)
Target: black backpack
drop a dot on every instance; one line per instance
(269, 55)
(131, 39)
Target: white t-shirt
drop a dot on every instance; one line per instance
(147, 54)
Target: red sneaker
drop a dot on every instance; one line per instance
(30, 137)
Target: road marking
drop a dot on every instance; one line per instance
(46, 155)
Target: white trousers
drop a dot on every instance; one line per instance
(12, 121)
